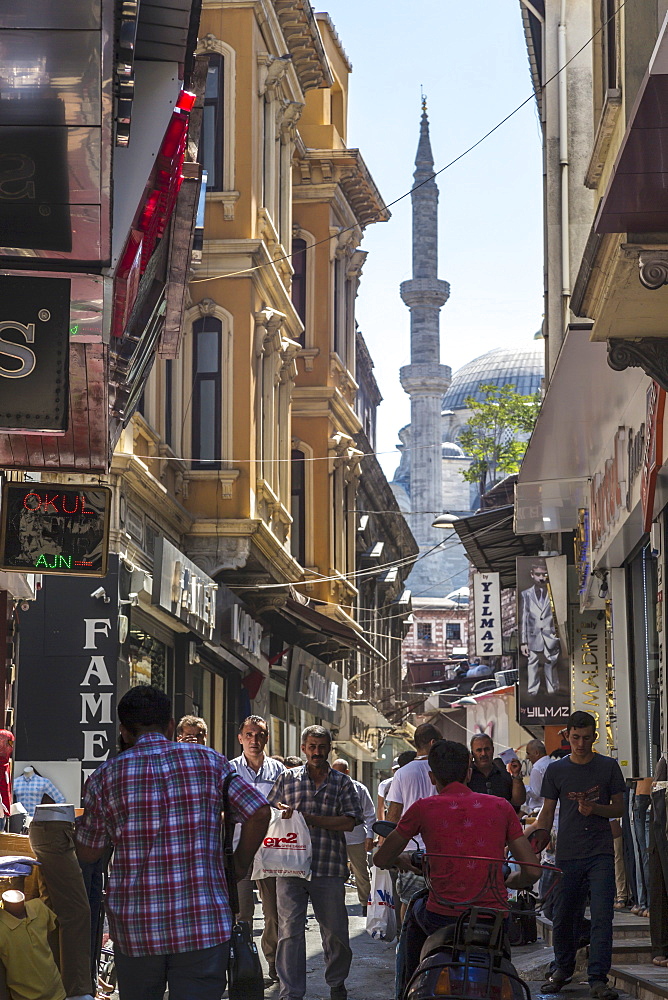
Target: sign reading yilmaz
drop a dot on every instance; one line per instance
(487, 608)
(34, 354)
(50, 528)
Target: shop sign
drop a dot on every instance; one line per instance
(653, 453)
(34, 354)
(69, 647)
(314, 686)
(246, 631)
(487, 610)
(50, 528)
(544, 689)
(609, 491)
(588, 671)
(636, 456)
(184, 590)
(583, 555)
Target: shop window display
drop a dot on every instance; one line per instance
(148, 660)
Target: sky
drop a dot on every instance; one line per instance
(471, 60)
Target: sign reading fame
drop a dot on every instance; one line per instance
(487, 607)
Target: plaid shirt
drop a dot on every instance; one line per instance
(336, 796)
(159, 804)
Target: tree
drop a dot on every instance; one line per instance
(490, 437)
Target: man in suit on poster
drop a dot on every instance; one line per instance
(539, 641)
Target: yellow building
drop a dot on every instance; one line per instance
(244, 455)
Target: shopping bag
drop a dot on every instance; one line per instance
(381, 919)
(285, 850)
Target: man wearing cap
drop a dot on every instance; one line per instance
(6, 750)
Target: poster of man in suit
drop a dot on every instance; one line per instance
(544, 682)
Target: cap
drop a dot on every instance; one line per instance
(395, 764)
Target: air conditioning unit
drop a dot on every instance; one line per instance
(504, 678)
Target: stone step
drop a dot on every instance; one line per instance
(631, 951)
(626, 926)
(645, 982)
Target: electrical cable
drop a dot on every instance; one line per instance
(451, 163)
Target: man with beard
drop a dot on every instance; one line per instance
(330, 805)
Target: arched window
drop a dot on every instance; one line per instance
(206, 402)
(298, 507)
(299, 281)
(212, 143)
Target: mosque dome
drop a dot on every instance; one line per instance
(522, 367)
(452, 450)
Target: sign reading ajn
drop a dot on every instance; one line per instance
(51, 528)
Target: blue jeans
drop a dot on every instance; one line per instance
(190, 975)
(641, 804)
(583, 879)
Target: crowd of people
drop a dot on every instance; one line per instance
(158, 805)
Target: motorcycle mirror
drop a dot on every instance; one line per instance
(383, 828)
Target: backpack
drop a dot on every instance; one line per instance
(523, 927)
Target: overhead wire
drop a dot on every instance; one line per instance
(432, 176)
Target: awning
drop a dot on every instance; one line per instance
(636, 199)
(492, 545)
(325, 637)
(494, 693)
(369, 715)
(585, 403)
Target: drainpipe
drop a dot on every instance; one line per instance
(563, 164)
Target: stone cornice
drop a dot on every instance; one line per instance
(133, 474)
(347, 168)
(304, 43)
(325, 401)
(322, 15)
(425, 379)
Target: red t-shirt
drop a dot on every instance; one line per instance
(470, 826)
(5, 790)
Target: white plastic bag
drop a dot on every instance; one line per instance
(381, 920)
(285, 850)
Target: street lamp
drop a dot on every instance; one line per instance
(445, 521)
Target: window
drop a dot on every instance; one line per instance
(609, 18)
(299, 280)
(169, 376)
(211, 141)
(438, 672)
(424, 632)
(298, 508)
(206, 405)
(453, 630)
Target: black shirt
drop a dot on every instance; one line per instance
(498, 782)
(582, 836)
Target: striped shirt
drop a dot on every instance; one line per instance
(159, 803)
(336, 796)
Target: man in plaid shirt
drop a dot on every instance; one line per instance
(159, 803)
(330, 805)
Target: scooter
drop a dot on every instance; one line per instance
(466, 960)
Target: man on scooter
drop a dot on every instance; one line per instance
(465, 835)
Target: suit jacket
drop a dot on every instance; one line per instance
(537, 629)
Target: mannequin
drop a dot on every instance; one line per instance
(31, 789)
(25, 954)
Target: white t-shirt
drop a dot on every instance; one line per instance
(410, 783)
(534, 798)
(383, 787)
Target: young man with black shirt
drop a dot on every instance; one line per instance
(589, 789)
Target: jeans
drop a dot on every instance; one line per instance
(418, 925)
(328, 899)
(593, 877)
(641, 805)
(658, 873)
(190, 975)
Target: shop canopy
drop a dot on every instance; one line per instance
(321, 635)
(491, 543)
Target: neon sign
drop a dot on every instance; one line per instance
(50, 528)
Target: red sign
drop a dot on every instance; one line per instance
(653, 458)
(154, 214)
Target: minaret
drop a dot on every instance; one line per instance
(425, 379)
